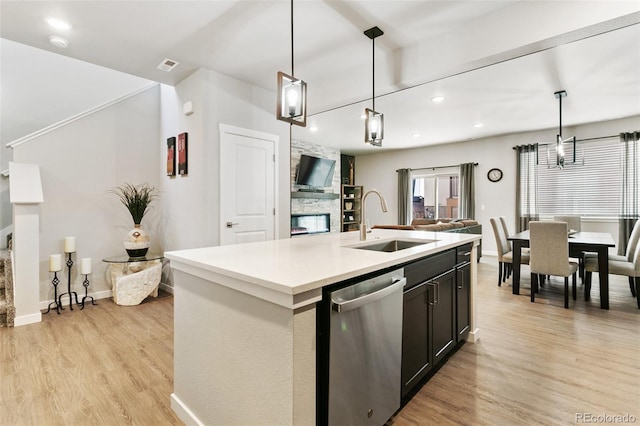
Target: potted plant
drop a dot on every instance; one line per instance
(137, 199)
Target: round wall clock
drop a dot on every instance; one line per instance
(494, 175)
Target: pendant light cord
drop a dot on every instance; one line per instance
(373, 66)
(560, 128)
(292, 71)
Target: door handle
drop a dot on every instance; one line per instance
(432, 293)
(359, 300)
(230, 224)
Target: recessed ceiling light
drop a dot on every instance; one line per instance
(478, 125)
(58, 41)
(58, 24)
(167, 65)
(313, 128)
(416, 135)
(437, 99)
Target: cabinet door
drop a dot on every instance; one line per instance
(416, 352)
(463, 281)
(443, 335)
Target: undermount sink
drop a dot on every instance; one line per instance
(393, 245)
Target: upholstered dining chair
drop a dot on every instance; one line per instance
(505, 255)
(574, 223)
(550, 255)
(505, 228)
(634, 238)
(628, 265)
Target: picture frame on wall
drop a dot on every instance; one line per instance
(171, 156)
(183, 154)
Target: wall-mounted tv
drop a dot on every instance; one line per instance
(315, 172)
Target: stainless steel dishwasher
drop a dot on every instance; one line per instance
(365, 351)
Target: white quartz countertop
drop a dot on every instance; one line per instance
(305, 264)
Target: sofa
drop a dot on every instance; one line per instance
(468, 226)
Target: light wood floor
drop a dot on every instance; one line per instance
(535, 364)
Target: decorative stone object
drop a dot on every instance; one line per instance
(135, 281)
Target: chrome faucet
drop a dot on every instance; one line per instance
(363, 220)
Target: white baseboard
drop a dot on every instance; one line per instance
(183, 412)
(166, 287)
(27, 319)
(473, 336)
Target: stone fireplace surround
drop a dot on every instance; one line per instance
(313, 206)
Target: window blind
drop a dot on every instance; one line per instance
(589, 189)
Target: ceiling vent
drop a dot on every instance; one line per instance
(167, 65)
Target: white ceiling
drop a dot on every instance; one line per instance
(591, 49)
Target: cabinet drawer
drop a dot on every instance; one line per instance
(429, 267)
(463, 253)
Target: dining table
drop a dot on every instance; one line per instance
(595, 242)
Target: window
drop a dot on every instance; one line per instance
(592, 189)
(435, 195)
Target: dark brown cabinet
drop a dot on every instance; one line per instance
(443, 311)
(416, 350)
(429, 316)
(463, 291)
(463, 314)
(437, 301)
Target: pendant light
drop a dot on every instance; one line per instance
(374, 121)
(292, 93)
(561, 160)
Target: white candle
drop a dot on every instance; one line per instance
(55, 263)
(85, 266)
(69, 244)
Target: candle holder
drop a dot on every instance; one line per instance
(85, 284)
(55, 281)
(69, 292)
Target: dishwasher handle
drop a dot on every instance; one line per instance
(348, 305)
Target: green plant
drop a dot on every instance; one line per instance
(136, 198)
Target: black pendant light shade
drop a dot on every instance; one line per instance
(374, 121)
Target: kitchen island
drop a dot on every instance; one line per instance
(245, 320)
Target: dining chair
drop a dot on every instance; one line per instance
(505, 255)
(550, 256)
(628, 265)
(574, 223)
(505, 228)
(634, 238)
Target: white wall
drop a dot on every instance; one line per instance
(191, 205)
(492, 199)
(79, 164)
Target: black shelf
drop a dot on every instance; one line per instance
(322, 195)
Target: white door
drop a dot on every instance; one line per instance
(247, 185)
